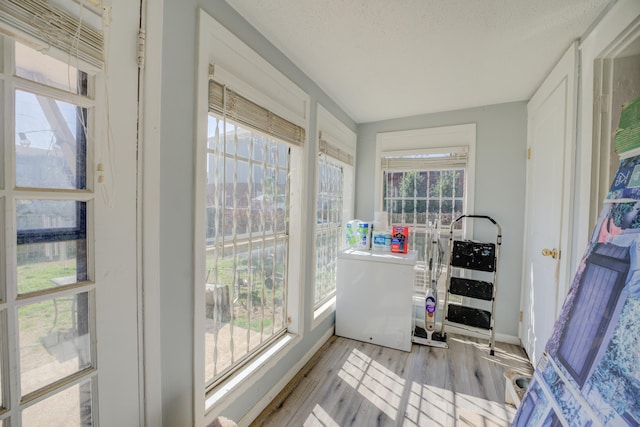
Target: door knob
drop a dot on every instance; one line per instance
(553, 253)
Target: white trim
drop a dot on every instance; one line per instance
(268, 397)
(418, 139)
(335, 130)
(149, 217)
(613, 27)
(201, 112)
(238, 65)
(229, 391)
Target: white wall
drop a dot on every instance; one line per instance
(501, 137)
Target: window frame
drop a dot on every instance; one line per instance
(16, 402)
(239, 66)
(416, 142)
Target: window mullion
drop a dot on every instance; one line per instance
(276, 162)
(11, 350)
(234, 231)
(325, 230)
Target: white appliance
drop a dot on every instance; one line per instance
(374, 297)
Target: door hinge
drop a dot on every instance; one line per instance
(528, 153)
(521, 315)
(142, 37)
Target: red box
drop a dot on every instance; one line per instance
(400, 239)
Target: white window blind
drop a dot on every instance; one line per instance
(42, 22)
(226, 102)
(432, 158)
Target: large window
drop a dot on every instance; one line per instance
(251, 188)
(46, 313)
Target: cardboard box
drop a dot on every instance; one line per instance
(400, 239)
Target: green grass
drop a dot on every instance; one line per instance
(41, 317)
(36, 277)
(256, 322)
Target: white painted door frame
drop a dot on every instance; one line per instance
(148, 216)
(592, 170)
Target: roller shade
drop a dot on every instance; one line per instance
(436, 158)
(332, 150)
(228, 103)
(40, 21)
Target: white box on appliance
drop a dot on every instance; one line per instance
(374, 297)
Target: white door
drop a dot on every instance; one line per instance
(551, 130)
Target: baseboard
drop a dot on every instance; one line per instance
(257, 409)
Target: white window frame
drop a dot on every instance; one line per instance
(339, 135)
(417, 141)
(240, 67)
(10, 192)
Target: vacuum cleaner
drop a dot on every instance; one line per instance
(427, 334)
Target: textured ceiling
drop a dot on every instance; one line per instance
(382, 59)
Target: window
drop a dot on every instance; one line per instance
(247, 211)
(329, 227)
(48, 298)
(426, 182)
(334, 201)
(252, 126)
(246, 244)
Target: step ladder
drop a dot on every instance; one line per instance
(480, 261)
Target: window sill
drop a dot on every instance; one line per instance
(243, 380)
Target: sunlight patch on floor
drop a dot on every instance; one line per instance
(471, 410)
(319, 417)
(382, 387)
(420, 407)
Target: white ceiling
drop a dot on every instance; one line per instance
(382, 59)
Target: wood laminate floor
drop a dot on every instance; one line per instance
(352, 383)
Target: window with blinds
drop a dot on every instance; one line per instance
(329, 221)
(334, 200)
(49, 294)
(424, 189)
(247, 241)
